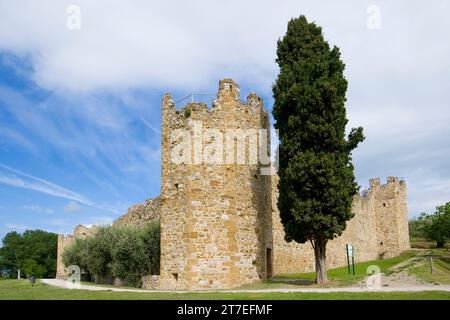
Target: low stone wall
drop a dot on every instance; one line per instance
(150, 282)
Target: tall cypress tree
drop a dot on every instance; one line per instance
(317, 183)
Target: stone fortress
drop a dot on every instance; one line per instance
(220, 225)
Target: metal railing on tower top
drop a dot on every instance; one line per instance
(207, 98)
(196, 98)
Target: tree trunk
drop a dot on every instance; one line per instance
(319, 247)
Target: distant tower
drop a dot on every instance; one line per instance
(390, 207)
(64, 241)
(215, 216)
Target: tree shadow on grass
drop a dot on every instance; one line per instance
(293, 281)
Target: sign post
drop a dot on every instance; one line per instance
(350, 253)
(353, 261)
(348, 257)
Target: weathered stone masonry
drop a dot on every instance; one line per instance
(213, 227)
(81, 232)
(220, 226)
(378, 229)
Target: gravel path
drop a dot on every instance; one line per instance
(361, 288)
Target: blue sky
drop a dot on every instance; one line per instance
(80, 109)
(69, 159)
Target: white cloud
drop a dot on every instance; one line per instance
(59, 223)
(37, 184)
(189, 45)
(18, 139)
(72, 207)
(9, 176)
(398, 75)
(100, 221)
(159, 44)
(38, 209)
(17, 227)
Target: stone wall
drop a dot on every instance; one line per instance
(64, 241)
(150, 282)
(378, 229)
(141, 214)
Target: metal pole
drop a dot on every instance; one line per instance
(353, 262)
(431, 264)
(348, 258)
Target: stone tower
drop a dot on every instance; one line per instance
(390, 207)
(64, 241)
(215, 204)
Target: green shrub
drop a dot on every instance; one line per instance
(436, 226)
(187, 112)
(151, 238)
(415, 230)
(76, 254)
(31, 267)
(128, 258)
(124, 251)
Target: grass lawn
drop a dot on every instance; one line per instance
(22, 290)
(423, 243)
(340, 276)
(441, 267)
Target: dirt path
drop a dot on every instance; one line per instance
(399, 277)
(407, 288)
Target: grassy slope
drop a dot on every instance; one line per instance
(340, 276)
(441, 266)
(21, 289)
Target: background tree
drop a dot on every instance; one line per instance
(34, 251)
(436, 226)
(317, 182)
(31, 267)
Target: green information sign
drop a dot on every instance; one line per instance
(350, 254)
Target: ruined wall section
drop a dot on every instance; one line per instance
(65, 241)
(141, 214)
(214, 228)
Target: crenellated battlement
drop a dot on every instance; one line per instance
(226, 106)
(64, 241)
